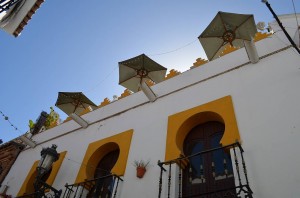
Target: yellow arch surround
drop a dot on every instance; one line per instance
(97, 156)
(181, 123)
(27, 186)
(98, 149)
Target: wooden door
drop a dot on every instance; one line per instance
(106, 164)
(103, 187)
(212, 171)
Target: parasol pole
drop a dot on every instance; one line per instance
(281, 26)
(147, 91)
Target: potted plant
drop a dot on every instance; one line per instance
(141, 166)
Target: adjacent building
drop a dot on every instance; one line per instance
(8, 154)
(224, 128)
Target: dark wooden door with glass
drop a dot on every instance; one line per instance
(210, 174)
(104, 185)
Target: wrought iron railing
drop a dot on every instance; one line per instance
(48, 194)
(234, 170)
(106, 187)
(44, 191)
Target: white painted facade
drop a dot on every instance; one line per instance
(266, 103)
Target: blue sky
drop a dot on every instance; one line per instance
(76, 46)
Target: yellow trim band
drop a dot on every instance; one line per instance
(180, 124)
(28, 187)
(98, 149)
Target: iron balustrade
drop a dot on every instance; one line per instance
(49, 194)
(238, 173)
(44, 191)
(103, 187)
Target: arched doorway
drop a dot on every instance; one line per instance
(104, 183)
(212, 171)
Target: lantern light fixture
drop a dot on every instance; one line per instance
(48, 157)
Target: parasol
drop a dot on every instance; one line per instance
(135, 71)
(73, 102)
(227, 28)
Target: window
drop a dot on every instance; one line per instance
(211, 171)
(104, 187)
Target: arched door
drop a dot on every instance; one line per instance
(104, 186)
(211, 172)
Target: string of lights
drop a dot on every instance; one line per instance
(105, 78)
(75, 162)
(179, 48)
(154, 54)
(101, 81)
(11, 124)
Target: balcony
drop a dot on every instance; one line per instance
(206, 174)
(45, 192)
(106, 187)
(103, 187)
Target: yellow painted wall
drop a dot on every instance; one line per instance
(98, 149)
(180, 124)
(27, 186)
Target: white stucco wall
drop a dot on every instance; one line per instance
(265, 97)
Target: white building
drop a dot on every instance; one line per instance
(228, 100)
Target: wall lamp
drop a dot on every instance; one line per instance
(48, 157)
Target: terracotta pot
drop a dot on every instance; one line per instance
(140, 171)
